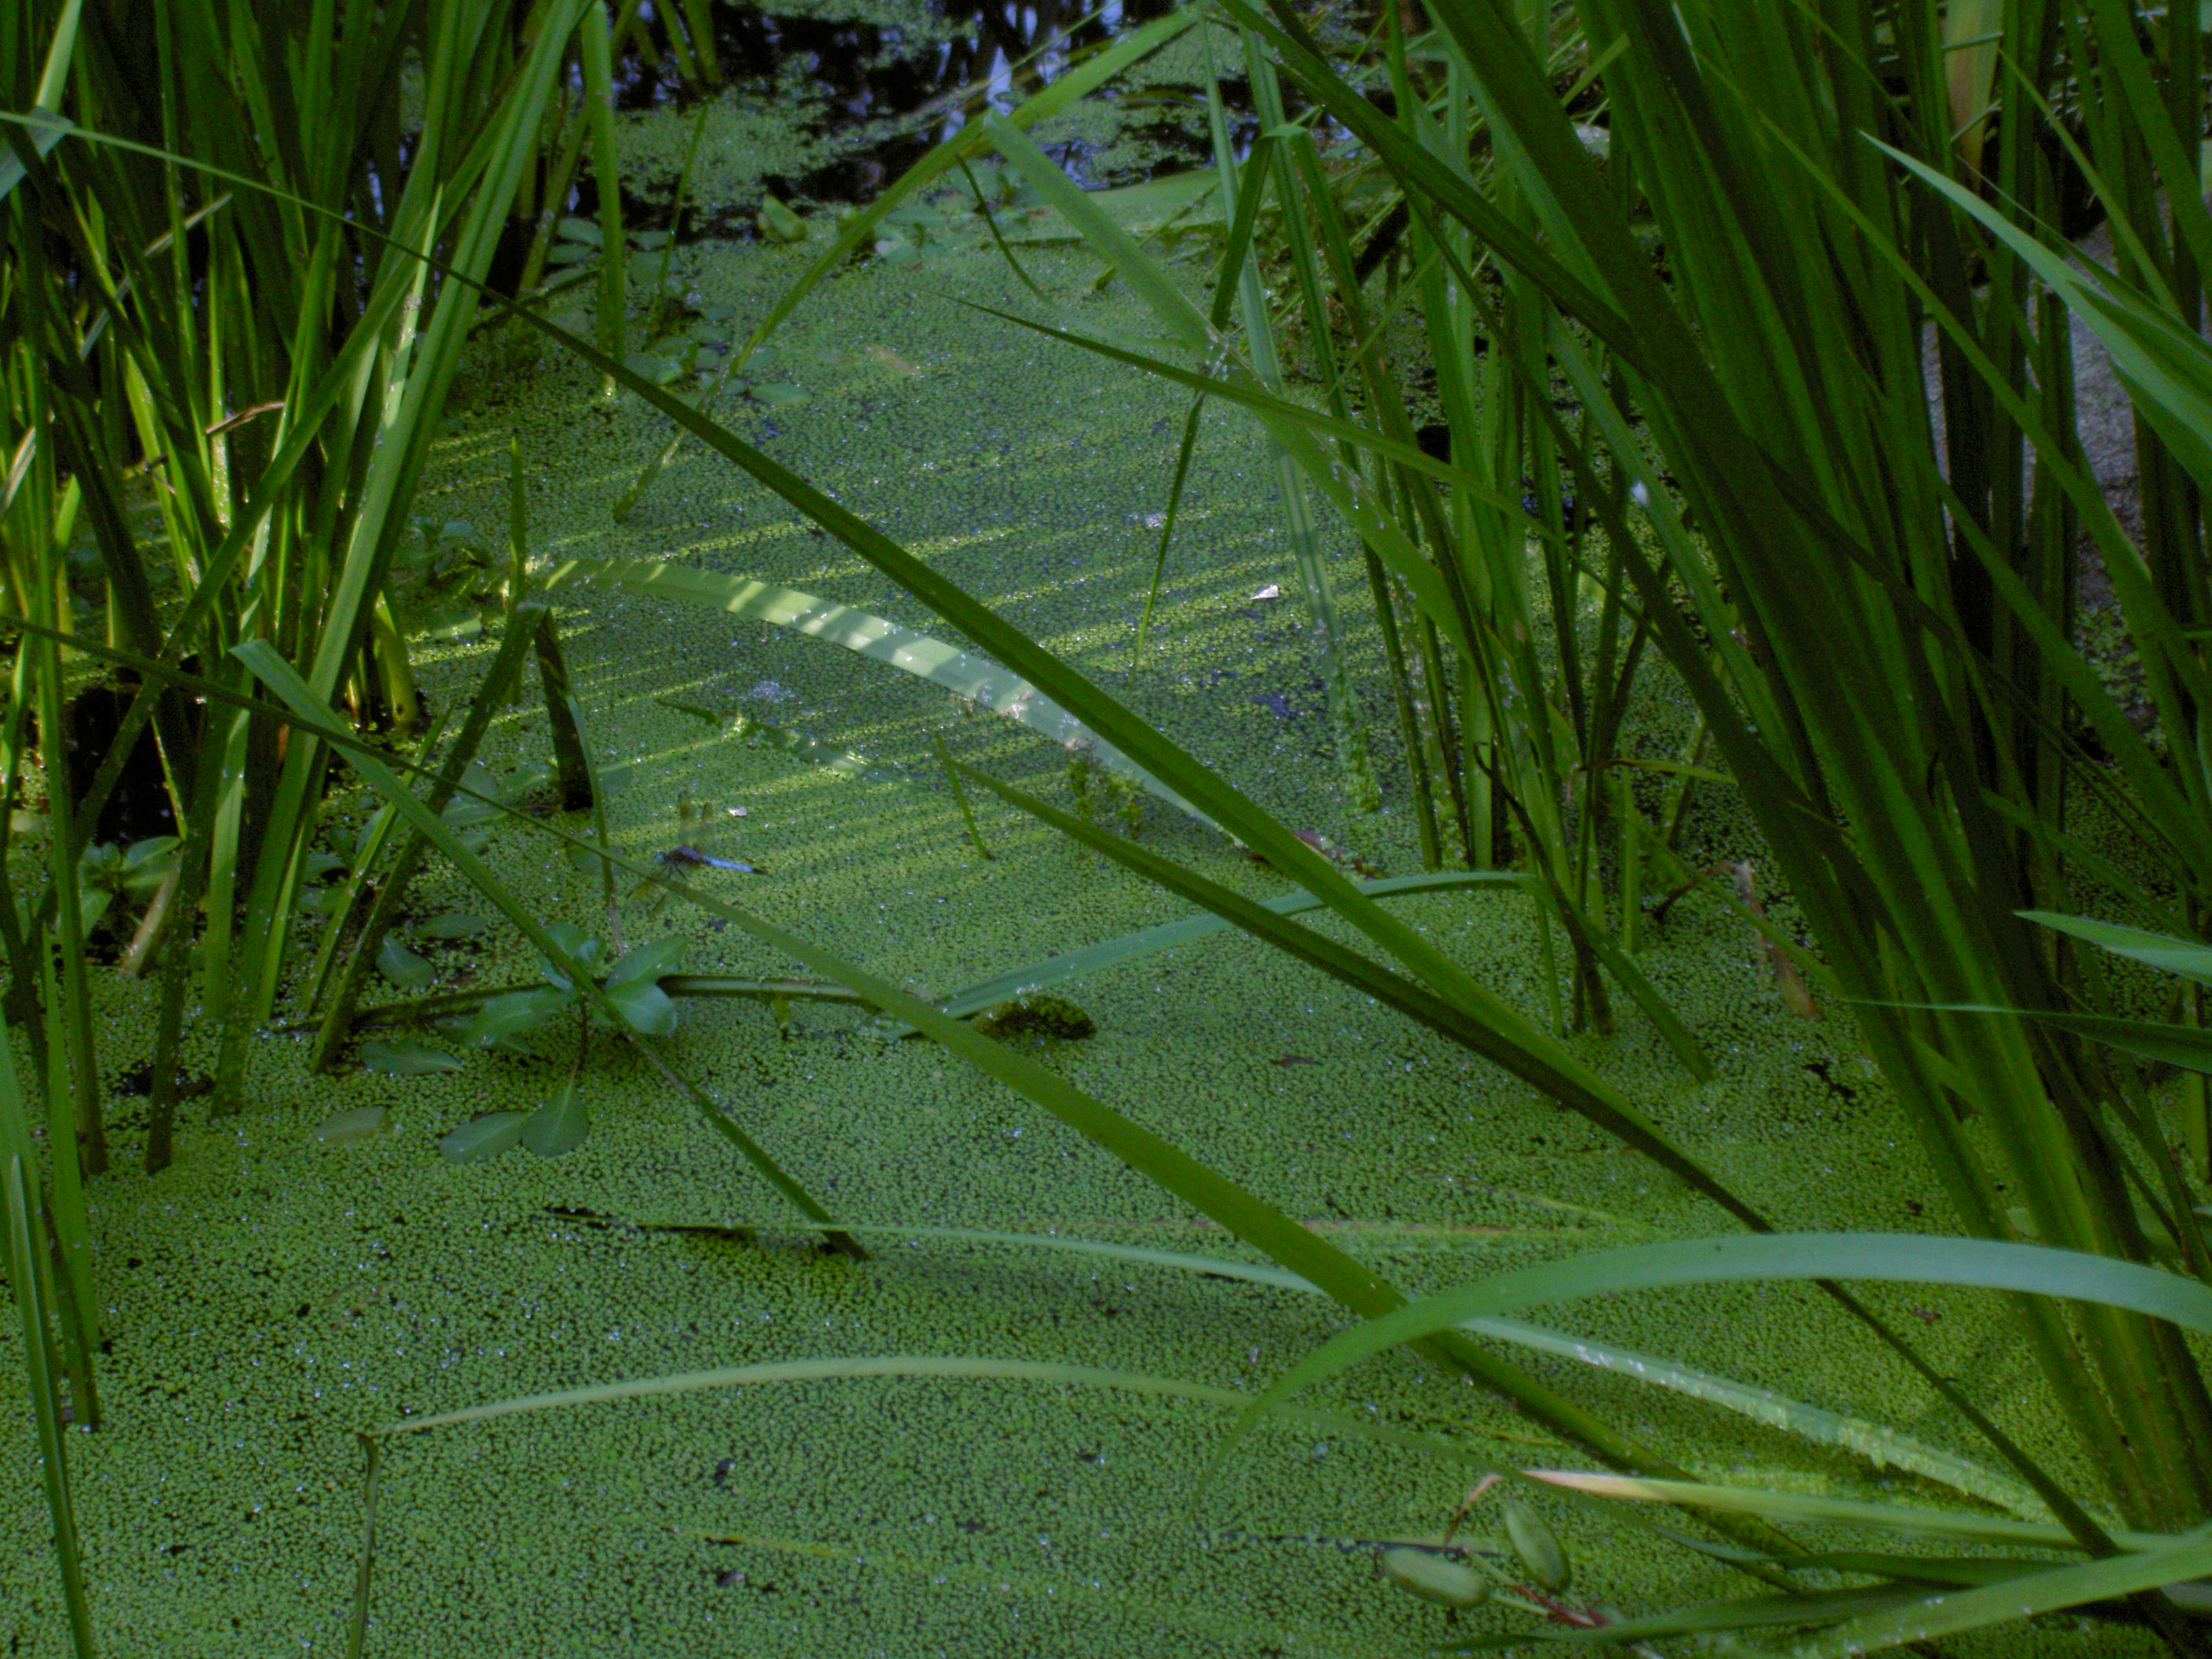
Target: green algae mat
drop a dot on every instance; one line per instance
(943, 1449)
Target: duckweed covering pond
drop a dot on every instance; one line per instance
(276, 1293)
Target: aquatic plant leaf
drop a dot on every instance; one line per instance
(405, 1059)
(1803, 1610)
(648, 961)
(2160, 1041)
(1537, 1547)
(354, 1123)
(644, 1006)
(778, 223)
(402, 967)
(454, 924)
(269, 666)
(147, 864)
(963, 673)
(45, 129)
(483, 1137)
(512, 1015)
(1435, 1577)
(559, 1126)
(579, 950)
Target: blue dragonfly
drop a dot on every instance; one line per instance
(682, 856)
(687, 858)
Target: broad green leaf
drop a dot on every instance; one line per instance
(507, 1018)
(557, 1127)
(647, 960)
(644, 1006)
(578, 950)
(483, 1137)
(355, 1123)
(776, 395)
(405, 1059)
(1435, 1577)
(402, 967)
(147, 864)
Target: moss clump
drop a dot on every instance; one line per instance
(1035, 1020)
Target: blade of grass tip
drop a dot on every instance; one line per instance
(1167, 532)
(572, 760)
(2160, 951)
(657, 314)
(193, 861)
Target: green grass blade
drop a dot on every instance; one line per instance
(2160, 950)
(1879, 1443)
(1958, 1526)
(18, 1211)
(2025, 1597)
(1906, 1258)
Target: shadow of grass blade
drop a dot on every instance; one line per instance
(1129, 947)
(980, 681)
(1488, 1027)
